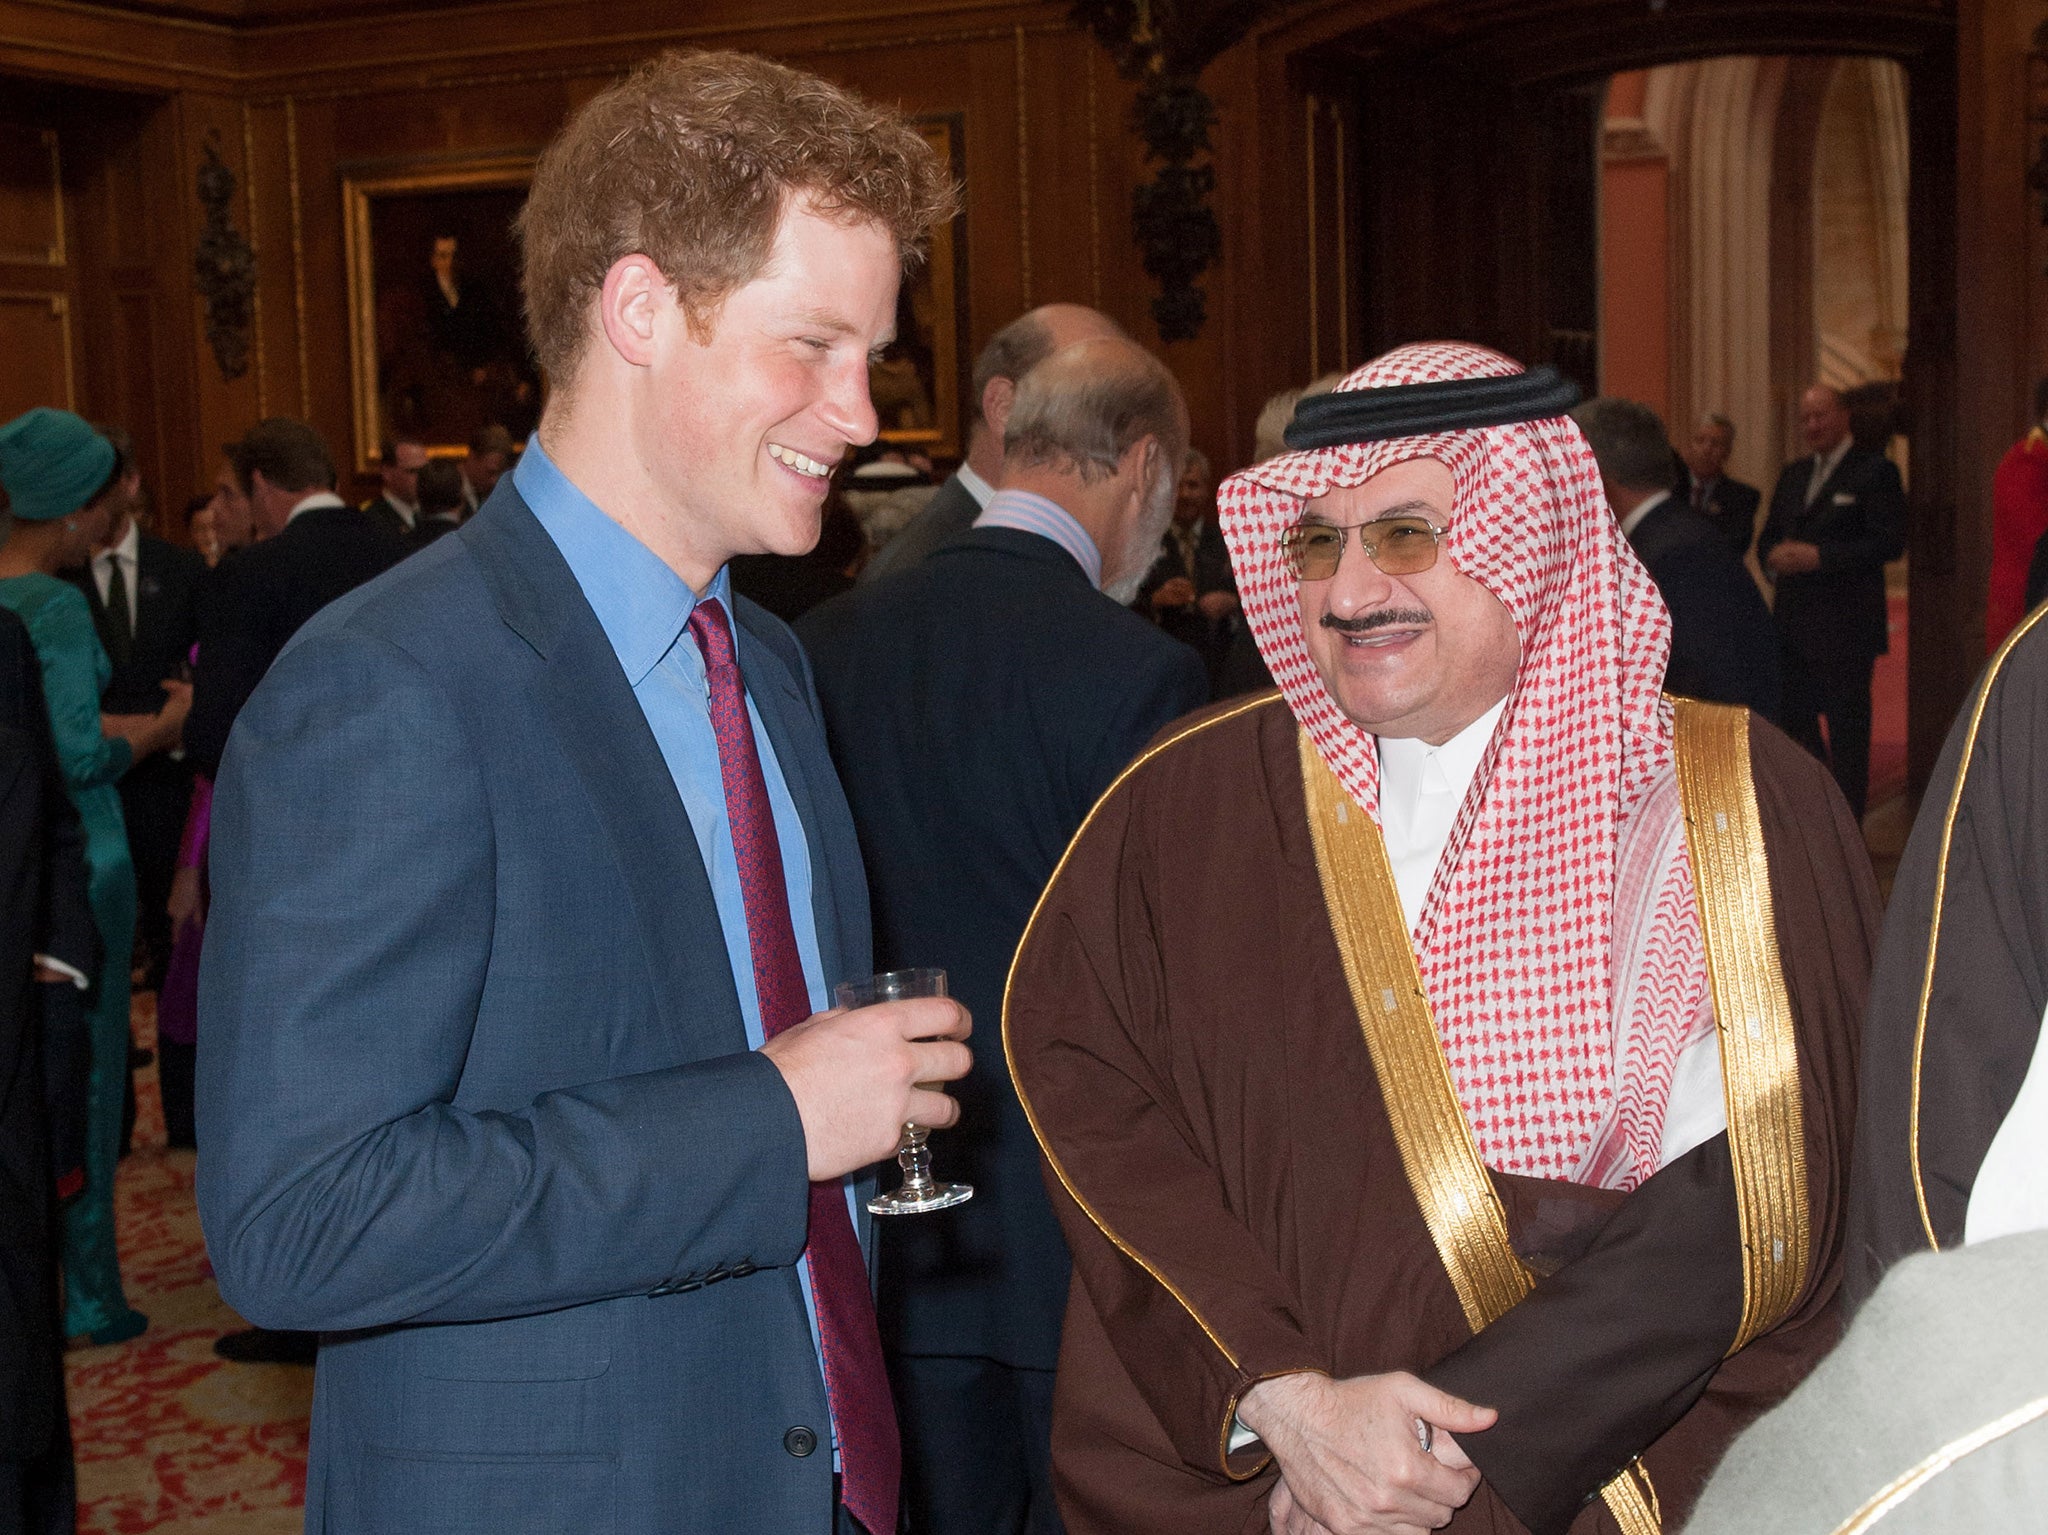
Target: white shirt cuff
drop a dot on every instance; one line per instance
(71, 973)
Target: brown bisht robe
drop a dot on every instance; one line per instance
(1983, 1016)
(1180, 1029)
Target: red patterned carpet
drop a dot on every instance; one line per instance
(170, 1437)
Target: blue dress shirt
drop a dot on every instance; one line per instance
(644, 608)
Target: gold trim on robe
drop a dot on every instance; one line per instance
(1438, 1153)
(1759, 1057)
(1902, 1487)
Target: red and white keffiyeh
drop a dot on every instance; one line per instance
(1533, 965)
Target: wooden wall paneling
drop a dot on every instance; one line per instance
(96, 45)
(31, 194)
(320, 298)
(1967, 369)
(175, 470)
(264, 210)
(35, 339)
(1233, 83)
(37, 313)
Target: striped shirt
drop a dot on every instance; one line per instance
(1022, 510)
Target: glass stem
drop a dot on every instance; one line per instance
(915, 1160)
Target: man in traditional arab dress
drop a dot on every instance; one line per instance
(1444, 1066)
(1952, 1133)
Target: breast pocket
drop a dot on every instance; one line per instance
(556, 1345)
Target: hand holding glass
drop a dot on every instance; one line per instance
(918, 1193)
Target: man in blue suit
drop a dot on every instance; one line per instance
(531, 877)
(979, 703)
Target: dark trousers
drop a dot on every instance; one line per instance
(154, 799)
(977, 1446)
(174, 1067)
(1838, 692)
(40, 1497)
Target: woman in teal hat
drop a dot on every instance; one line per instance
(56, 474)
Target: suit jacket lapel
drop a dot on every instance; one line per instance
(601, 729)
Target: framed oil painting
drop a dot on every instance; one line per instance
(437, 341)
(438, 346)
(920, 386)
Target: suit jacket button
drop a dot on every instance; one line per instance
(799, 1441)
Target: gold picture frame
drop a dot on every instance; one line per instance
(921, 386)
(931, 319)
(473, 200)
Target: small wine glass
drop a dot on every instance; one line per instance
(918, 1193)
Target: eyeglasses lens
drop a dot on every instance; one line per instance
(1399, 546)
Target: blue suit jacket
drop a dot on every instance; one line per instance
(475, 1099)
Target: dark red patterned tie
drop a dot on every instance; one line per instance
(870, 1454)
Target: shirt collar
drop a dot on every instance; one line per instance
(641, 604)
(1029, 513)
(314, 503)
(130, 547)
(1634, 519)
(977, 487)
(1409, 765)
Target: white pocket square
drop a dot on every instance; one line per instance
(1845, 498)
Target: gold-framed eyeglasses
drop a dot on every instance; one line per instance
(1399, 546)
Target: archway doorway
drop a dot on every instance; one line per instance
(1753, 240)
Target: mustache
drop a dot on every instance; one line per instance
(1384, 618)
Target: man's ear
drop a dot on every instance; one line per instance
(996, 401)
(630, 305)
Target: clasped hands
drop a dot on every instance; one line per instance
(1351, 1461)
(1793, 557)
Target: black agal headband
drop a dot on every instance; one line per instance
(1416, 410)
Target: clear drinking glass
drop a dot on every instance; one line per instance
(918, 1193)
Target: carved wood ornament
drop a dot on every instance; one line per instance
(1165, 45)
(223, 267)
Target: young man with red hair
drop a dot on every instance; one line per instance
(532, 878)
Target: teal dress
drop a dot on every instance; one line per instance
(75, 671)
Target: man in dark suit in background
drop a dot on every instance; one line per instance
(1011, 353)
(312, 548)
(1723, 646)
(1729, 506)
(1190, 591)
(1837, 517)
(490, 454)
(44, 916)
(143, 594)
(441, 507)
(978, 705)
(399, 462)
(532, 880)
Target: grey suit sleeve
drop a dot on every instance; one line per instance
(349, 948)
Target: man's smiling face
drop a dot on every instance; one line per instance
(748, 421)
(1420, 655)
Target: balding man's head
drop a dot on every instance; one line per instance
(1084, 408)
(1026, 342)
(1102, 422)
(1823, 418)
